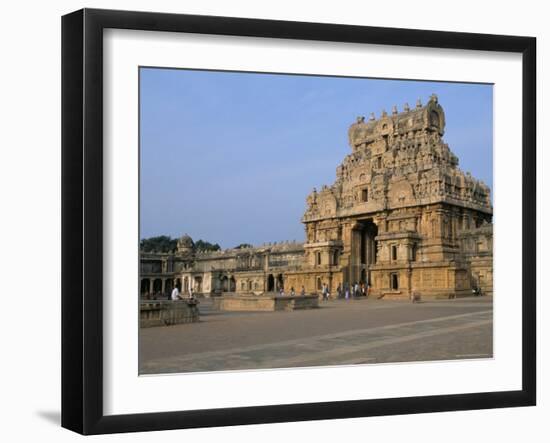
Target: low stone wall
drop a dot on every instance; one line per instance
(425, 295)
(167, 312)
(265, 302)
(291, 303)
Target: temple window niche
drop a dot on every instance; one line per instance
(318, 258)
(365, 195)
(434, 119)
(446, 229)
(394, 281)
(413, 252)
(394, 252)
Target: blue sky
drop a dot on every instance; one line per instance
(230, 157)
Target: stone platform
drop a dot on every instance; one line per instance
(424, 295)
(265, 302)
(167, 312)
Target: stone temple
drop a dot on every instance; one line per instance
(401, 217)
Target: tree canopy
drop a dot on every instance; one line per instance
(244, 246)
(161, 243)
(203, 245)
(165, 243)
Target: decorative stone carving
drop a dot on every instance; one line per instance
(185, 244)
(400, 164)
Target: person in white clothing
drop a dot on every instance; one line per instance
(176, 294)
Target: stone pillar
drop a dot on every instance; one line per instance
(465, 219)
(266, 261)
(368, 248)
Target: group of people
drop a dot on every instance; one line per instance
(177, 295)
(292, 291)
(347, 291)
(353, 291)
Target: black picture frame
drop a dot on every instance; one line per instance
(82, 215)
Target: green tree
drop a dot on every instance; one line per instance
(244, 246)
(202, 245)
(165, 243)
(161, 243)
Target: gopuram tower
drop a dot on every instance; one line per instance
(401, 216)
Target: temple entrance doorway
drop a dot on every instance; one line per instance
(270, 283)
(280, 282)
(157, 286)
(145, 285)
(198, 284)
(168, 287)
(224, 283)
(363, 251)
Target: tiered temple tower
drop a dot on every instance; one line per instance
(401, 216)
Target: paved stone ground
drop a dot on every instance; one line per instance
(339, 332)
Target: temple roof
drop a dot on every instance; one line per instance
(429, 117)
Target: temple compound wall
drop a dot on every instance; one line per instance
(401, 218)
(253, 270)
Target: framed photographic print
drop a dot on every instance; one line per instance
(269, 221)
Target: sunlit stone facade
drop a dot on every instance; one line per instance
(401, 217)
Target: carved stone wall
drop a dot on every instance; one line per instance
(403, 181)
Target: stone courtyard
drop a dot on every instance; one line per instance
(340, 332)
